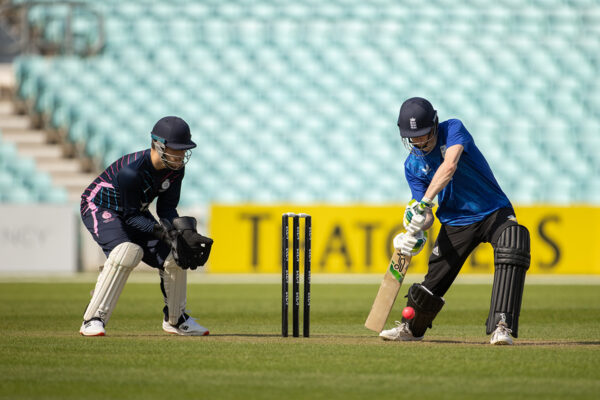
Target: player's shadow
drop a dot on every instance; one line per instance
(557, 343)
(450, 341)
(518, 342)
(220, 335)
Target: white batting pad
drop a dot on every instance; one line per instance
(121, 261)
(175, 284)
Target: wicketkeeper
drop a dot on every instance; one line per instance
(114, 208)
(445, 162)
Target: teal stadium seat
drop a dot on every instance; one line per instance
(301, 100)
(21, 182)
(19, 195)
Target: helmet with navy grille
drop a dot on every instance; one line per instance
(172, 139)
(418, 123)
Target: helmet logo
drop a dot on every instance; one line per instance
(413, 123)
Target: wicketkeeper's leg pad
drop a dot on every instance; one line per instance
(119, 264)
(174, 285)
(426, 306)
(511, 258)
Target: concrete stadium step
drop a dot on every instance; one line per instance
(41, 151)
(10, 122)
(60, 166)
(7, 80)
(7, 76)
(49, 157)
(6, 108)
(74, 197)
(74, 183)
(75, 180)
(23, 136)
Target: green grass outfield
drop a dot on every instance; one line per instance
(557, 355)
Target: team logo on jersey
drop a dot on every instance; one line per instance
(165, 185)
(413, 123)
(443, 150)
(107, 217)
(426, 169)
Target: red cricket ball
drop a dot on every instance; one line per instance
(408, 312)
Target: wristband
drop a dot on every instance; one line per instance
(425, 203)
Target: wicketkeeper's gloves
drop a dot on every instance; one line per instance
(190, 249)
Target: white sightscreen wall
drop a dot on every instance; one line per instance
(38, 238)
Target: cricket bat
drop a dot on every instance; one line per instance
(386, 296)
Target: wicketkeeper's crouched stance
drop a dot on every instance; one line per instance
(445, 162)
(114, 208)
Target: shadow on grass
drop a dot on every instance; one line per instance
(353, 339)
(517, 342)
(558, 343)
(256, 335)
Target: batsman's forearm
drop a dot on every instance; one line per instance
(441, 178)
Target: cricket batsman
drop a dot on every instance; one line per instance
(114, 208)
(445, 162)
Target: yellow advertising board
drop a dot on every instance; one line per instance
(357, 239)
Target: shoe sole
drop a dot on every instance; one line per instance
(95, 334)
(401, 340)
(184, 334)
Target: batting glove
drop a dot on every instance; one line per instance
(410, 245)
(414, 217)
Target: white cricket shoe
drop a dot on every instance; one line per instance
(401, 333)
(501, 336)
(94, 327)
(189, 327)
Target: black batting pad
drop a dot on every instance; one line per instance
(426, 305)
(512, 262)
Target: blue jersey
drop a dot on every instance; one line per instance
(129, 185)
(472, 194)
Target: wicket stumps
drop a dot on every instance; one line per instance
(295, 273)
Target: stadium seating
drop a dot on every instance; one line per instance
(298, 102)
(21, 182)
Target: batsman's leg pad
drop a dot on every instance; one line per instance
(426, 306)
(174, 284)
(511, 258)
(119, 264)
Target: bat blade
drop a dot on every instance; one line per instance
(388, 291)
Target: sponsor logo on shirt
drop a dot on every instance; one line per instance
(426, 169)
(443, 150)
(165, 185)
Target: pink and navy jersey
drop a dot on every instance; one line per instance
(129, 185)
